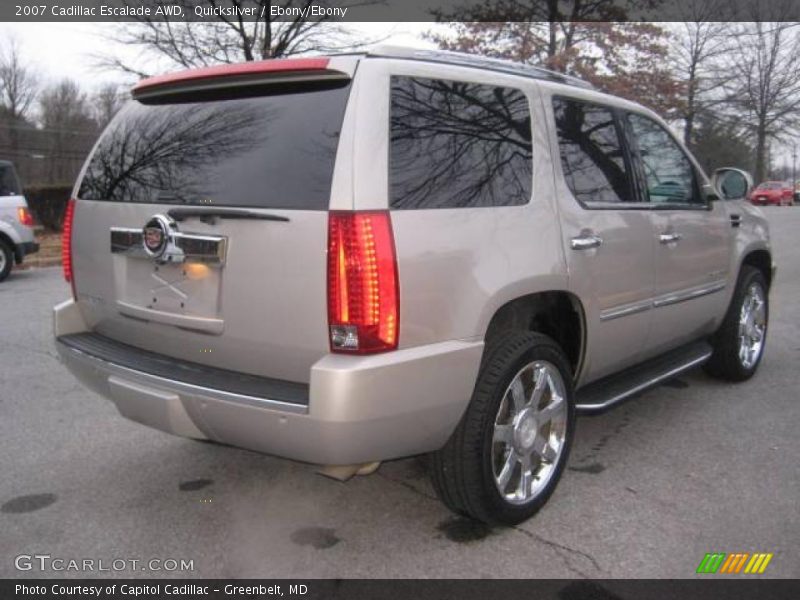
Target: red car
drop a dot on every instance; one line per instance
(777, 193)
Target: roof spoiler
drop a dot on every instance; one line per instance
(286, 70)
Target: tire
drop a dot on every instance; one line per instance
(6, 259)
(729, 361)
(467, 473)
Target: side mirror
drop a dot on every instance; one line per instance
(732, 184)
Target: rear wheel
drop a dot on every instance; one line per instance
(508, 452)
(739, 342)
(6, 260)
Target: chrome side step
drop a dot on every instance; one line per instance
(600, 396)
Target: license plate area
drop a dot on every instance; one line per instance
(180, 285)
(190, 289)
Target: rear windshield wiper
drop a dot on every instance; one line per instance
(209, 215)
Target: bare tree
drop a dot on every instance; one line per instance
(18, 82)
(18, 88)
(106, 102)
(233, 39)
(694, 56)
(66, 118)
(765, 83)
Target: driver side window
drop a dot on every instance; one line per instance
(668, 172)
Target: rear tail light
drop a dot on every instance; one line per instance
(363, 294)
(25, 217)
(66, 244)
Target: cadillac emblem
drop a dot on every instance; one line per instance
(155, 235)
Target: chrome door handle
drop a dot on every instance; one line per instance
(668, 238)
(585, 241)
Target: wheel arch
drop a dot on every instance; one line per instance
(559, 314)
(760, 259)
(7, 239)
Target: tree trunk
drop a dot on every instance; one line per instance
(761, 152)
(266, 48)
(552, 46)
(688, 126)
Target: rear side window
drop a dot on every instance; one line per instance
(592, 159)
(458, 145)
(273, 151)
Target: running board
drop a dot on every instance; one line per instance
(600, 396)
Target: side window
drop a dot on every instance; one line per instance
(457, 145)
(592, 159)
(668, 172)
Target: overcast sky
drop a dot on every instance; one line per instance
(66, 49)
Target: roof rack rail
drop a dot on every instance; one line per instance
(479, 62)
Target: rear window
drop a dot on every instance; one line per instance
(274, 151)
(457, 144)
(9, 184)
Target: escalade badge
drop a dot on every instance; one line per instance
(155, 235)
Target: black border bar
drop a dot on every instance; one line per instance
(708, 587)
(402, 10)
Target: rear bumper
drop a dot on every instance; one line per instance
(26, 248)
(360, 408)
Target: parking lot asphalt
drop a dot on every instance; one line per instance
(694, 466)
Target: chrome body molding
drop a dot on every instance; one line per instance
(665, 300)
(181, 247)
(625, 310)
(690, 294)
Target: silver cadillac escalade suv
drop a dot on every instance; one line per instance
(352, 259)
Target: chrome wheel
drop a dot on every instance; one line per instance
(752, 326)
(529, 432)
(2, 260)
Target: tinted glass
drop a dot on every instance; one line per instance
(271, 151)
(9, 186)
(591, 152)
(669, 174)
(456, 145)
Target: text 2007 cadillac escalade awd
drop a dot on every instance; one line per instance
(352, 259)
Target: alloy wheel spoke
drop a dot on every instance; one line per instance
(526, 477)
(518, 395)
(503, 434)
(543, 448)
(508, 468)
(541, 384)
(552, 410)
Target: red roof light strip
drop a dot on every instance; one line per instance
(248, 68)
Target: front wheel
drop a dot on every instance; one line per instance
(739, 342)
(508, 452)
